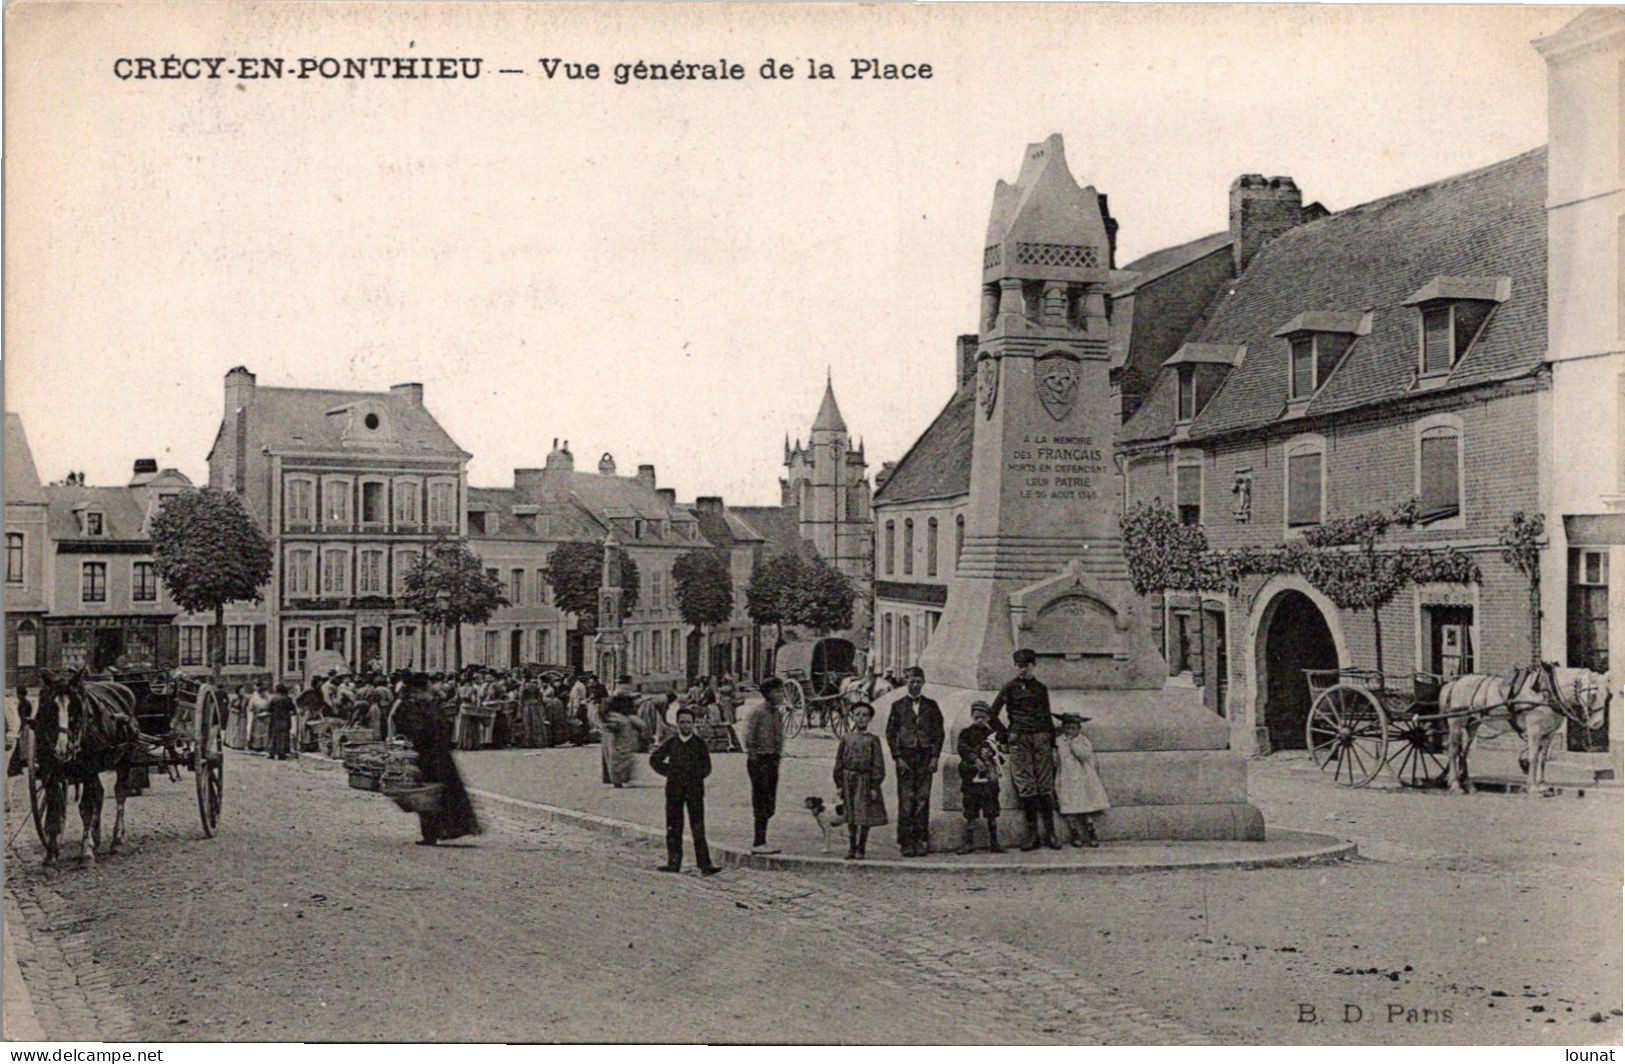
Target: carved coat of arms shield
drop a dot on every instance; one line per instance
(1056, 377)
(987, 384)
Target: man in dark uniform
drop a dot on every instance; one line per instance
(1032, 748)
(914, 736)
(685, 761)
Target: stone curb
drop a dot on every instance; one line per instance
(1319, 849)
(19, 1023)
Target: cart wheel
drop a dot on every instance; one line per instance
(208, 760)
(1347, 734)
(1417, 755)
(36, 783)
(839, 722)
(794, 709)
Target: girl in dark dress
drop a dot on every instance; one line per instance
(420, 720)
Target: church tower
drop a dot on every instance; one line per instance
(826, 483)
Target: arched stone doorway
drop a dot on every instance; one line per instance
(1293, 635)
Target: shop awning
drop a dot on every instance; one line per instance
(1595, 530)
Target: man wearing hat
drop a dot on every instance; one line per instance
(1032, 748)
(914, 735)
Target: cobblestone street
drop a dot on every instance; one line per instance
(313, 916)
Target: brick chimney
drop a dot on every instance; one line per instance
(1261, 209)
(667, 495)
(646, 476)
(145, 470)
(965, 366)
(412, 393)
(239, 389)
(606, 465)
(708, 504)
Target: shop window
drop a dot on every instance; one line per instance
(1588, 609)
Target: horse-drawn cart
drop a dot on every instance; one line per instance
(1361, 722)
(178, 725)
(813, 674)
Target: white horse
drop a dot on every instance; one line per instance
(1535, 702)
(864, 688)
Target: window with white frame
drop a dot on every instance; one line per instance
(14, 558)
(442, 503)
(299, 501)
(336, 502)
(144, 582)
(1305, 484)
(369, 573)
(1439, 470)
(335, 573)
(516, 587)
(93, 582)
(193, 644)
(295, 649)
(406, 503)
(300, 578)
(95, 523)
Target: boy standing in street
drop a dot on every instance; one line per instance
(685, 762)
(979, 776)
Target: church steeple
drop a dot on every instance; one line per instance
(829, 412)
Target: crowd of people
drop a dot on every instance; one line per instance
(1039, 759)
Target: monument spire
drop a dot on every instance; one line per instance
(829, 412)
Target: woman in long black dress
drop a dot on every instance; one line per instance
(419, 719)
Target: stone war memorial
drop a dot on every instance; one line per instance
(1043, 564)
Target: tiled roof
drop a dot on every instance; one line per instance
(724, 528)
(124, 511)
(565, 521)
(1150, 267)
(304, 419)
(1371, 258)
(22, 477)
(938, 465)
(779, 526)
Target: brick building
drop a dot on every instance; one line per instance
(733, 647)
(351, 487)
(1392, 350)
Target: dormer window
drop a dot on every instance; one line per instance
(1317, 340)
(1314, 357)
(94, 523)
(1451, 312)
(1187, 393)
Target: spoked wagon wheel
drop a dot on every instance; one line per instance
(839, 722)
(794, 709)
(1417, 756)
(36, 784)
(1348, 734)
(208, 760)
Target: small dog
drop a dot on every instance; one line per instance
(825, 820)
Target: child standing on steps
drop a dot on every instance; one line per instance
(860, 769)
(1078, 793)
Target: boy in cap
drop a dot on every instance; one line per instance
(1032, 748)
(914, 734)
(979, 776)
(685, 761)
(764, 746)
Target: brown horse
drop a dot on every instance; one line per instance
(1535, 702)
(83, 728)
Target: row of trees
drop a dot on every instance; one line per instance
(209, 552)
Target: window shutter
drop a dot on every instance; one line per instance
(1189, 488)
(259, 645)
(1303, 368)
(1303, 490)
(1436, 353)
(1441, 490)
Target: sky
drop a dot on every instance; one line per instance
(664, 271)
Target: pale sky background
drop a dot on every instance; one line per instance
(663, 271)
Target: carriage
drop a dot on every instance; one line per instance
(813, 673)
(1362, 722)
(180, 720)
